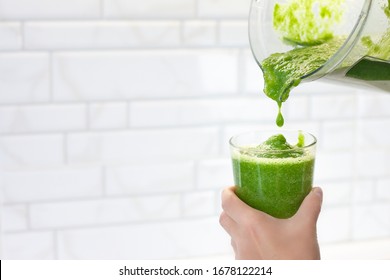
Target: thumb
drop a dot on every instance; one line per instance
(311, 206)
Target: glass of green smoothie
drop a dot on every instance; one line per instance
(273, 170)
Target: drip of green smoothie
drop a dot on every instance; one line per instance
(279, 118)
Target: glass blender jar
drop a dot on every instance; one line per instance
(364, 26)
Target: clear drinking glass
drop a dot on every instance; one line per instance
(274, 181)
(353, 63)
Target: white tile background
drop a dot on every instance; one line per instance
(114, 121)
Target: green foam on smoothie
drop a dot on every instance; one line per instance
(276, 146)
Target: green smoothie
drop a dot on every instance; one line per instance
(375, 66)
(283, 71)
(275, 176)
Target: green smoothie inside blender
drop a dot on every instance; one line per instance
(308, 26)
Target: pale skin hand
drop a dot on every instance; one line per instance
(256, 235)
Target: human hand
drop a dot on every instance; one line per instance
(257, 235)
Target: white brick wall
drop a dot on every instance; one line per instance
(14, 217)
(115, 117)
(108, 115)
(149, 178)
(135, 146)
(149, 8)
(162, 240)
(199, 33)
(383, 191)
(41, 184)
(234, 33)
(31, 150)
(142, 74)
(19, 245)
(194, 112)
(24, 77)
(42, 118)
(104, 211)
(56, 35)
(371, 221)
(10, 36)
(223, 8)
(38, 9)
(339, 217)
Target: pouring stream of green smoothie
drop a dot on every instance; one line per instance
(308, 25)
(283, 71)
